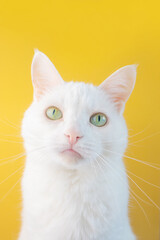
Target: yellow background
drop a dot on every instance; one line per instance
(86, 40)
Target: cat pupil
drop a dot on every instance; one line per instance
(99, 118)
(54, 111)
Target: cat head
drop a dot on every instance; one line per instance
(73, 124)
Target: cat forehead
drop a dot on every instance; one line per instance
(77, 94)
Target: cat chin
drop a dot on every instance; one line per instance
(71, 157)
(70, 160)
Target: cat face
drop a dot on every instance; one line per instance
(72, 124)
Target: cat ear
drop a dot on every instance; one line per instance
(120, 85)
(44, 74)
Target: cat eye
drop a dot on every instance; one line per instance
(54, 113)
(98, 119)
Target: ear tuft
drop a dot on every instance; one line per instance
(36, 50)
(120, 85)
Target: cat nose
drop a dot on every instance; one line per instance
(73, 136)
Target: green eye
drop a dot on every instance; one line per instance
(98, 119)
(54, 113)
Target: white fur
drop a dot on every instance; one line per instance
(66, 198)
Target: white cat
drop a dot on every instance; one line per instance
(74, 184)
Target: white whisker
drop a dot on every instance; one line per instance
(10, 190)
(14, 156)
(10, 135)
(12, 160)
(141, 209)
(12, 123)
(142, 191)
(137, 160)
(9, 124)
(143, 180)
(11, 141)
(11, 174)
(127, 186)
(18, 156)
(147, 137)
(123, 172)
(140, 131)
(93, 166)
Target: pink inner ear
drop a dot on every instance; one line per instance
(120, 85)
(44, 74)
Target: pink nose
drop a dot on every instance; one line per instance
(73, 137)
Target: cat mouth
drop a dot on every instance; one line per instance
(71, 152)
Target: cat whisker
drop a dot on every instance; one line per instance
(101, 169)
(12, 174)
(10, 190)
(11, 141)
(20, 155)
(147, 137)
(129, 142)
(143, 179)
(14, 156)
(12, 123)
(12, 160)
(132, 143)
(141, 190)
(32, 137)
(144, 192)
(103, 217)
(92, 163)
(153, 165)
(128, 186)
(141, 208)
(10, 135)
(138, 133)
(6, 122)
(123, 172)
(135, 159)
